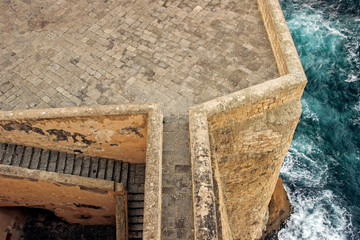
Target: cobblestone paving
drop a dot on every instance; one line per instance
(58, 53)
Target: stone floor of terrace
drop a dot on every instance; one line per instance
(62, 53)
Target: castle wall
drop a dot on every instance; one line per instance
(115, 132)
(248, 145)
(238, 142)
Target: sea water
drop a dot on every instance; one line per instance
(321, 171)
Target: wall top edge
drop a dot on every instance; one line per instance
(288, 48)
(82, 111)
(248, 95)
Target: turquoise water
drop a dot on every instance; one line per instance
(322, 168)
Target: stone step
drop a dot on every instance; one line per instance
(60, 162)
(131, 175)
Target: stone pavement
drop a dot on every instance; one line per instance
(60, 53)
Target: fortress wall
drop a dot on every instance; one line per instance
(116, 132)
(248, 145)
(238, 143)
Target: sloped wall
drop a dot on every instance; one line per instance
(115, 132)
(75, 199)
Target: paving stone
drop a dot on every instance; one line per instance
(169, 234)
(52, 161)
(124, 174)
(77, 165)
(94, 164)
(182, 169)
(160, 48)
(183, 233)
(135, 235)
(176, 190)
(85, 167)
(117, 171)
(109, 170)
(168, 222)
(136, 212)
(102, 168)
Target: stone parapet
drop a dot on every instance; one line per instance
(245, 137)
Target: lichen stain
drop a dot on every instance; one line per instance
(112, 136)
(130, 130)
(62, 135)
(79, 205)
(19, 126)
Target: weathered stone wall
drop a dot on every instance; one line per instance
(75, 199)
(237, 159)
(93, 131)
(282, 44)
(248, 145)
(273, 37)
(236, 166)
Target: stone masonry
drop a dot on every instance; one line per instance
(179, 53)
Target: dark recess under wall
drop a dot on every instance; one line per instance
(43, 224)
(131, 175)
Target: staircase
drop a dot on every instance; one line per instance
(131, 175)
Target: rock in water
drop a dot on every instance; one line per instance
(279, 212)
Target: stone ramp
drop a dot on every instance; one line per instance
(177, 211)
(131, 175)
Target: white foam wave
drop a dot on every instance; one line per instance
(351, 78)
(316, 217)
(318, 23)
(307, 113)
(299, 167)
(357, 107)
